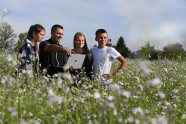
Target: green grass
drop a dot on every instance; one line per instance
(145, 92)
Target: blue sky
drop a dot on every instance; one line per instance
(161, 22)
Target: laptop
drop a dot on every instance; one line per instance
(76, 60)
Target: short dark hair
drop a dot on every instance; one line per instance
(54, 27)
(100, 31)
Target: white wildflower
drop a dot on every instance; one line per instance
(14, 113)
(3, 81)
(174, 105)
(162, 95)
(65, 68)
(130, 119)
(149, 56)
(50, 91)
(165, 69)
(138, 110)
(110, 105)
(146, 71)
(183, 116)
(167, 103)
(114, 87)
(30, 114)
(97, 95)
(137, 79)
(11, 109)
(9, 58)
(126, 94)
(120, 120)
(115, 112)
(30, 73)
(110, 98)
(6, 11)
(154, 82)
(159, 120)
(24, 71)
(137, 121)
(141, 87)
(51, 100)
(175, 91)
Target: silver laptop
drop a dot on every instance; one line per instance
(76, 60)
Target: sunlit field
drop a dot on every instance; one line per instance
(145, 92)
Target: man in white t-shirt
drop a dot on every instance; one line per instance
(103, 57)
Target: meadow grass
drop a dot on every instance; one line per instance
(144, 92)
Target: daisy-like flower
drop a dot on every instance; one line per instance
(138, 110)
(97, 95)
(154, 82)
(137, 79)
(162, 95)
(110, 98)
(114, 87)
(9, 58)
(175, 91)
(11, 109)
(126, 94)
(130, 119)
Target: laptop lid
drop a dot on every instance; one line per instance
(76, 60)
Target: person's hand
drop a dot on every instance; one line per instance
(71, 68)
(68, 51)
(109, 75)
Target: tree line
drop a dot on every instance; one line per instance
(171, 51)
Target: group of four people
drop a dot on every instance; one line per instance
(53, 56)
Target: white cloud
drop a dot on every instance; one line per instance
(158, 21)
(149, 20)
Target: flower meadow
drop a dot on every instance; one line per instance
(145, 92)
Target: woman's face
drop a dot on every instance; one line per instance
(79, 42)
(39, 36)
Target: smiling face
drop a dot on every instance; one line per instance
(101, 39)
(79, 42)
(57, 35)
(39, 36)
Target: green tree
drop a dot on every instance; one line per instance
(122, 48)
(173, 51)
(149, 52)
(7, 36)
(22, 37)
(95, 45)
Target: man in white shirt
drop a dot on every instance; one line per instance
(103, 57)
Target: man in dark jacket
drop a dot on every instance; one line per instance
(53, 56)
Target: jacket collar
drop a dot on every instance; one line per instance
(27, 41)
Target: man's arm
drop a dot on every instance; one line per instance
(123, 62)
(57, 48)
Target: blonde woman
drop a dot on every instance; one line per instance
(80, 47)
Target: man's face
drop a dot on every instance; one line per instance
(57, 35)
(101, 39)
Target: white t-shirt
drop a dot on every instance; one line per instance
(103, 59)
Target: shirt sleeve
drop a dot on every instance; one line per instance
(91, 50)
(42, 45)
(88, 65)
(65, 59)
(114, 53)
